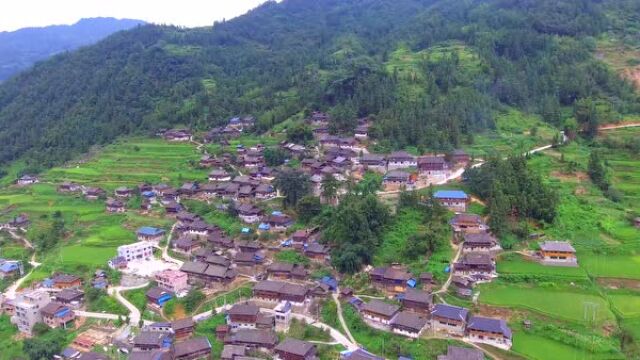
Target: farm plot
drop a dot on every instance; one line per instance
(558, 303)
(515, 265)
(133, 161)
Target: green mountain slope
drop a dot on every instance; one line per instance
(431, 71)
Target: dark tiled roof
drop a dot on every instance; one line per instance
(450, 312)
(490, 325)
(295, 347)
(379, 307)
(459, 353)
(409, 320)
(255, 336)
(557, 246)
(247, 308)
(183, 323)
(418, 296)
(191, 346)
(194, 267)
(148, 338)
(482, 238)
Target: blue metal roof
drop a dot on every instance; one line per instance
(331, 282)
(148, 230)
(9, 266)
(264, 226)
(450, 194)
(412, 283)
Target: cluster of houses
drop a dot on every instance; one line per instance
(415, 313)
(18, 222)
(52, 303)
(235, 127)
(479, 249)
(249, 330)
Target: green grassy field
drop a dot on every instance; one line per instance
(539, 348)
(129, 162)
(627, 305)
(512, 135)
(515, 265)
(560, 303)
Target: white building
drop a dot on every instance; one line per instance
(27, 309)
(137, 250)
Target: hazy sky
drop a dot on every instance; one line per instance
(15, 14)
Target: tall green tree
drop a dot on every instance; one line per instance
(294, 184)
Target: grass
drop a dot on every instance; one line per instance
(539, 348)
(207, 328)
(231, 297)
(301, 330)
(612, 266)
(512, 135)
(11, 349)
(137, 297)
(516, 265)
(291, 257)
(627, 305)
(132, 161)
(556, 302)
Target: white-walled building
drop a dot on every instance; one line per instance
(137, 250)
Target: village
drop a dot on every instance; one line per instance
(194, 254)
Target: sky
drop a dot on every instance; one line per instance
(16, 14)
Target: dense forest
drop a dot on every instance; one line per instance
(431, 72)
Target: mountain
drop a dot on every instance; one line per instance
(432, 73)
(22, 48)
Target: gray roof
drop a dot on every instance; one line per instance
(562, 246)
(191, 346)
(380, 307)
(480, 323)
(158, 354)
(361, 354)
(255, 336)
(147, 338)
(476, 259)
(409, 320)
(482, 238)
(460, 353)
(194, 267)
(183, 323)
(247, 308)
(450, 312)
(418, 296)
(295, 346)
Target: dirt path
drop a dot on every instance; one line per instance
(445, 286)
(605, 127)
(134, 312)
(165, 249)
(343, 323)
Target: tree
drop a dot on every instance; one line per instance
(597, 172)
(299, 134)
(193, 300)
(43, 347)
(294, 184)
(308, 208)
(274, 157)
(329, 188)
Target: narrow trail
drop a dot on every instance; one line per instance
(343, 323)
(445, 286)
(134, 312)
(618, 126)
(10, 293)
(165, 249)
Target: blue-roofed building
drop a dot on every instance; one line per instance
(158, 296)
(449, 319)
(10, 268)
(359, 354)
(331, 282)
(57, 315)
(490, 331)
(454, 200)
(148, 233)
(264, 227)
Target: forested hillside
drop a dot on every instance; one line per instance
(432, 73)
(22, 48)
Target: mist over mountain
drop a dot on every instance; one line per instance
(22, 48)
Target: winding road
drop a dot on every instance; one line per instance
(134, 312)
